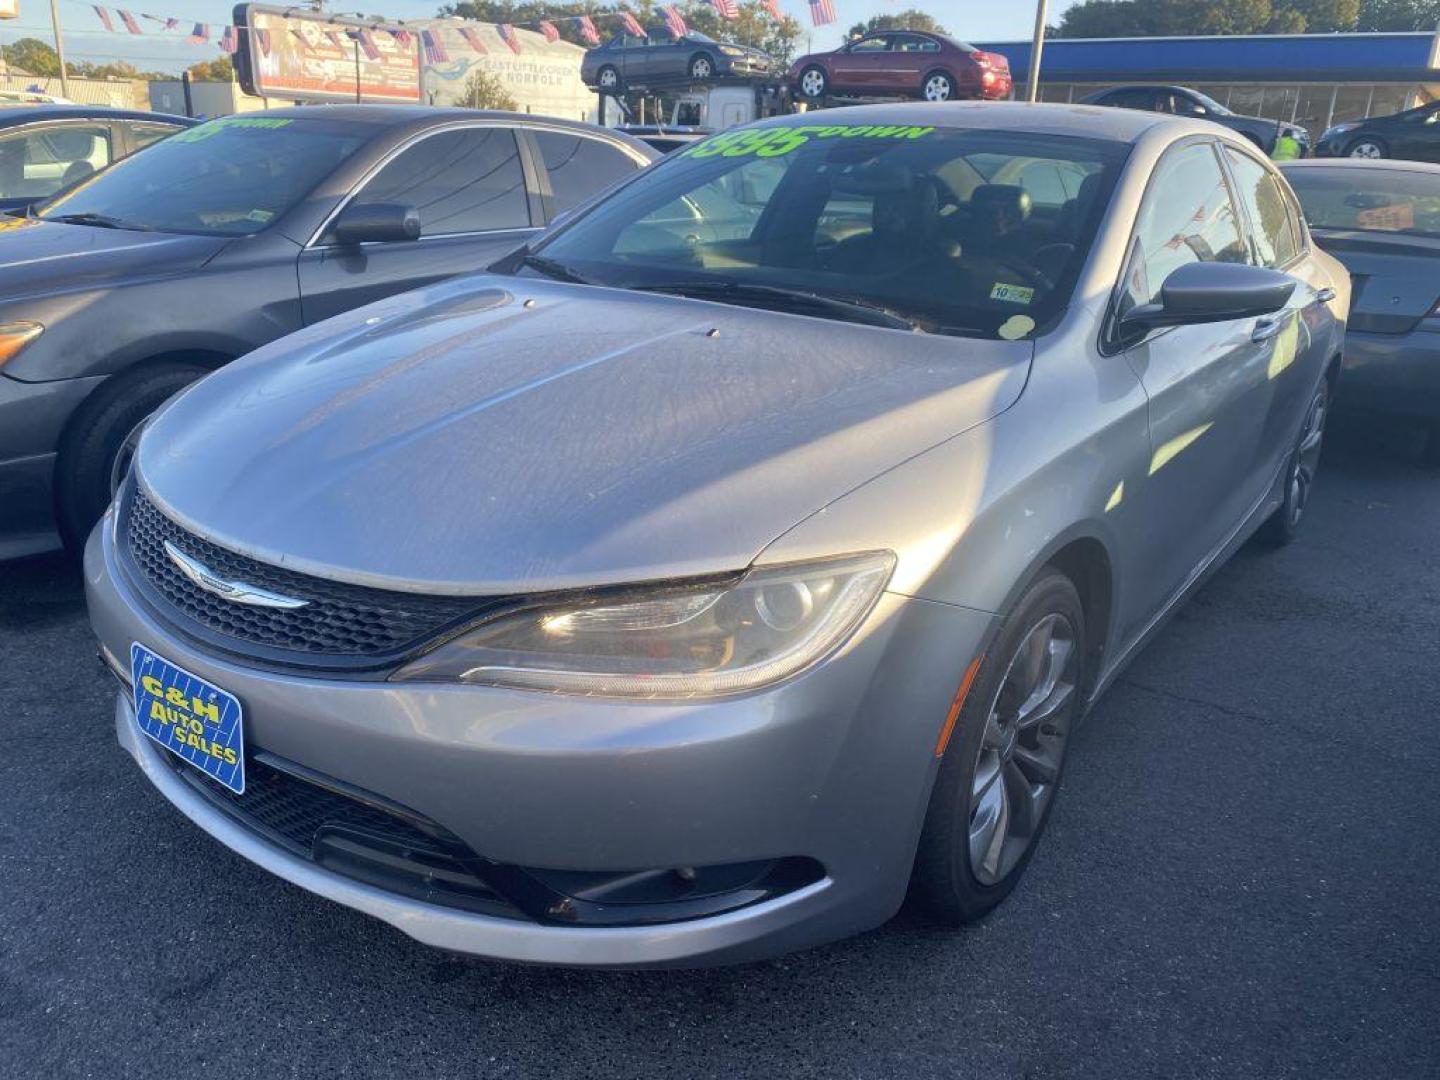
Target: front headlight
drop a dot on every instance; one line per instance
(682, 641)
(15, 336)
(730, 50)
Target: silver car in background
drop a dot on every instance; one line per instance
(683, 589)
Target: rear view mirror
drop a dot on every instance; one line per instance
(376, 223)
(1206, 292)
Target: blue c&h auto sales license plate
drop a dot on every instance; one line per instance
(190, 717)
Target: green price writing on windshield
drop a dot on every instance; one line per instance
(773, 142)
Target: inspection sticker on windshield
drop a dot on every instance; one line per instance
(193, 719)
(775, 141)
(1012, 294)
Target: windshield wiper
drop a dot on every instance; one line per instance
(776, 297)
(102, 221)
(553, 268)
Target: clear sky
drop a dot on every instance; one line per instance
(86, 39)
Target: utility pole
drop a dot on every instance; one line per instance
(1037, 46)
(59, 47)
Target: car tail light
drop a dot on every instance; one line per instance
(984, 59)
(988, 78)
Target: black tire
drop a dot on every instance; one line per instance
(938, 85)
(1367, 146)
(1283, 526)
(95, 436)
(945, 880)
(613, 73)
(817, 80)
(702, 67)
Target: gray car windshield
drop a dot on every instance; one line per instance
(952, 231)
(228, 177)
(1369, 199)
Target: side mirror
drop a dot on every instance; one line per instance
(376, 223)
(1206, 292)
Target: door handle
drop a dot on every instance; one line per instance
(1266, 329)
(1325, 295)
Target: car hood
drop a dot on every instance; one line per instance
(496, 434)
(38, 258)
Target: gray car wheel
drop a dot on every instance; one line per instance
(702, 67)
(607, 78)
(1284, 525)
(1368, 148)
(938, 86)
(1002, 767)
(813, 82)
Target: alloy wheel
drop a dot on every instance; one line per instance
(1366, 149)
(608, 78)
(700, 68)
(1022, 749)
(937, 88)
(812, 83)
(1307, 456)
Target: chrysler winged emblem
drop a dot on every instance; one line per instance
(237, 592)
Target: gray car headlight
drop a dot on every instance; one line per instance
(730, 50)
(697, 641)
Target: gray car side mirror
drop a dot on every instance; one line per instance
(1206, 292)
(376, 223)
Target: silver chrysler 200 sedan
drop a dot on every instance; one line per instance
(739, 556)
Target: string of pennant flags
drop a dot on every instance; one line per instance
(822, 12)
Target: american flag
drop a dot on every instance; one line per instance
(229, 40)
(262, 38)
(302, 41)
(472, 38)
(587, 29)
(508, 35)
(674, 21)
(104, 17)
(822, 12)
(727, 9)
(402, 37)
(366, 42)
(131, 23)
(772, 7)
(631, 24)
(434, 49)
(335, 39)
(200, 34)
(548, 29)
(166, 23)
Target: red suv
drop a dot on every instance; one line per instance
(909, 62)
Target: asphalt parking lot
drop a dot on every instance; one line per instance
(1242, 879)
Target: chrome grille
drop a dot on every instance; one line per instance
(337, 620)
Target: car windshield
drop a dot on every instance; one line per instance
(955, 231)
(696, 35)
(1369, 199)
(228, 177)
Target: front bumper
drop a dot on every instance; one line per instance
(1397, 374)
(835, 766)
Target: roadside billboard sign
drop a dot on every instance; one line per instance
(298, 55)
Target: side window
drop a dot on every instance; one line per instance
(1187, 216)
(37, 162)
(871, 45)
(142, 135)
(579, 166)
(1132, 99)
(1266, 207)
(462, 181)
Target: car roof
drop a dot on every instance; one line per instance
(418, 117)
(1090, 121)
(12, 113)
(1391, 164)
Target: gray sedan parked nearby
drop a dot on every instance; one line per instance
(215, 241)
(680, 590)
(1382, 220)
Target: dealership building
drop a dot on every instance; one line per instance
(1314, 80)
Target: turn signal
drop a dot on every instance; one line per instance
(15, 336)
